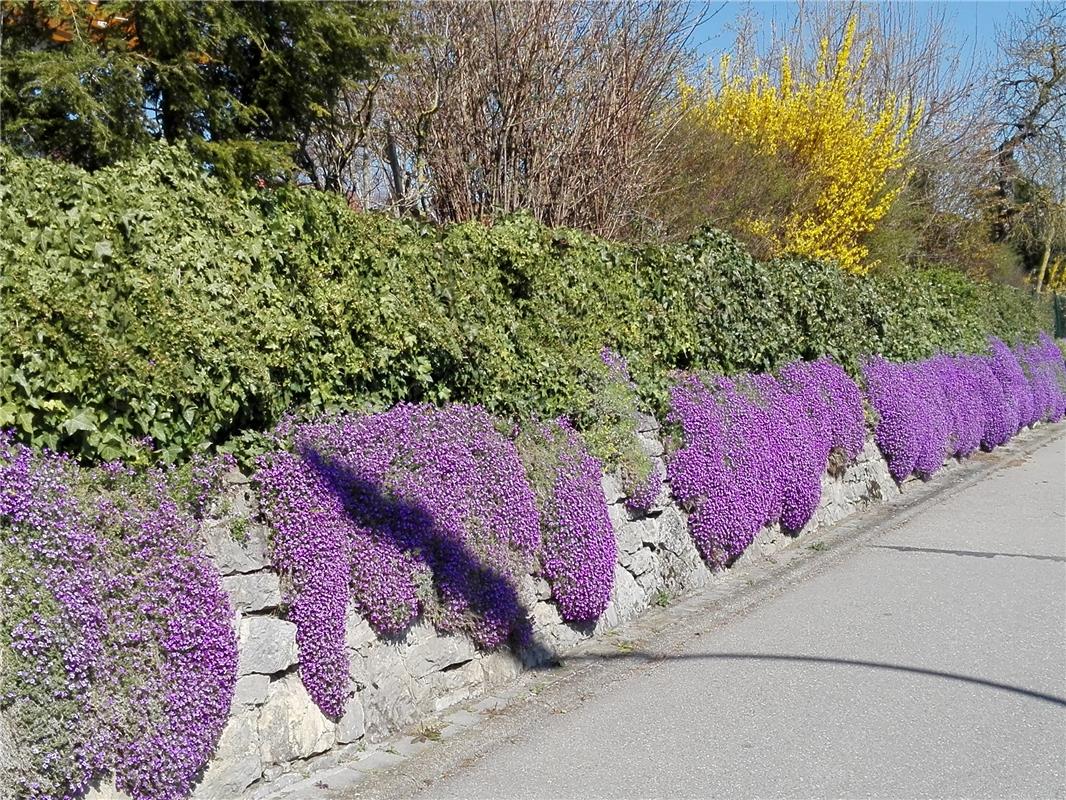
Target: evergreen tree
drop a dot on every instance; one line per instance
(93, 82)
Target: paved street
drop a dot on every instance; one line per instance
(928, 662)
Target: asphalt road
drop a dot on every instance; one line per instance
(929, 662)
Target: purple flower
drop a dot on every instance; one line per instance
(950, 405)
(129, 661)
(416, 510)
(754, 448)
(580, 551)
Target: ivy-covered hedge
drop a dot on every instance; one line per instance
(144, 301)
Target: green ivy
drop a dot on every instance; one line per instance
(144, 300)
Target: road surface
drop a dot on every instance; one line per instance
(929, 662)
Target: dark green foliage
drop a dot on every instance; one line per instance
(240, 83)
(143, 300)
(607, 410)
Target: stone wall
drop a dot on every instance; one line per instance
(274, 724)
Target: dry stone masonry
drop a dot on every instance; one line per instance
(274, 725)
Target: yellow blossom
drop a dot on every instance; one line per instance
(848, 147)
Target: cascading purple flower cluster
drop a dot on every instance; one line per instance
(1016, 391)
(960, 388)
(723, 473)
(755, 447)
(913, 426)
(948, 406)
(312, 549)
(580, 550)
(1042, 363)
(53, 622)
(833, 400)
(122, 655)
(170, 648)
(416, 509)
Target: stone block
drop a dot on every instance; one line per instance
(390, 699)
(389, 706)
(291, 726)
(612, 488)
(647, 425)
(357, 670)
(421, 631)
(673, 531)
(441, 690)
(358, 635)
(352, 725)
(267, 645)
(651, 581)
(542, 590)
(650, 532)
(627, 595)
(251, 690)
(236, 763)
(638, 563)
(548, 623)
(629, 535)
(608, 619)
(250, 554)
(500, 668)
(437, 653)
(253, 591)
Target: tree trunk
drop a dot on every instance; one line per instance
(395, 170)
(1043, 265)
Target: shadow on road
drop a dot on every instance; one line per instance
(976, 553)
(637, 655)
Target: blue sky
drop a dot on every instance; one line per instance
(973, 23)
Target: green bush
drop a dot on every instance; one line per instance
(144, 300)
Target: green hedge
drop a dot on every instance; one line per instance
(143, 300)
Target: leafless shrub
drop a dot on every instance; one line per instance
(551, 107)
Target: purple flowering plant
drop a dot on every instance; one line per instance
(52, 626)
(413, 511)
(722, 474)
(1044, 369)
(948, 406)
(170, 649)
(579, 547)
(119, 650)
(754, 447)
(913, 419)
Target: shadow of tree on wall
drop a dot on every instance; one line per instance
(472, 595)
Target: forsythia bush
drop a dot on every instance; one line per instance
(849, 147)
(1056, 276)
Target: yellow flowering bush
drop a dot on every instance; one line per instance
(1056, 276)
(849, 148)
